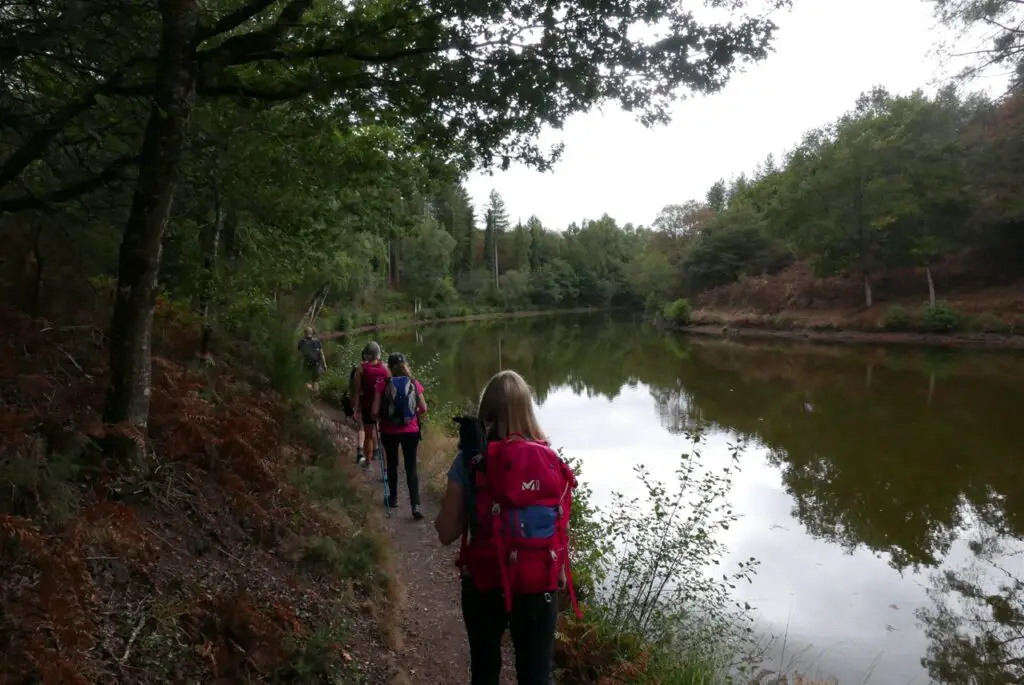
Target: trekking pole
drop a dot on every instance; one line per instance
(383, 472)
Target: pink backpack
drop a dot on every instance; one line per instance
(517, 537)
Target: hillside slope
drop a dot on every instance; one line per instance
(794, 297)
(243, 553)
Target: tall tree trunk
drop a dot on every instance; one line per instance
(211, 248)
(131, 326)
(864, 238)
(494, 243)
(931, 286)
(393, 258)
(466, 251)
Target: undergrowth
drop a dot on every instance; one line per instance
(244, 554)
(659, 608)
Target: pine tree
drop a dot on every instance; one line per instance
(535, 229)
(717, 196)
(465, 260)
(455, 214)
(520, 257)
(496, 225)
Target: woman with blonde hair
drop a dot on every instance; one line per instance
(508, 497)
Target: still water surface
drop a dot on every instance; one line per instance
(881, 489)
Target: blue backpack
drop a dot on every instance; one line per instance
(400, 400)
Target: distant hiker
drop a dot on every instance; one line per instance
(313, 353)
(509, 497)
(399, 404)
(368, 381)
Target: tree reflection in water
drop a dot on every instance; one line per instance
(975, 624)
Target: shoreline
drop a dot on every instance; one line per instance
(981, 340)
(491, 316)
(729, 326)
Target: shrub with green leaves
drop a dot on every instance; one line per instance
(678, 312)
(941, 318)
(988, 322)
(896, 318)
(283, 362)
(342, 354)
(441, 413)
(655, 565)
(345, 321)
(586, 545)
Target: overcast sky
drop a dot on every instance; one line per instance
(826, 53)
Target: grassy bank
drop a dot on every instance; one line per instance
(794, 326)
(957, 323)
(437, 451)
(237, 550)
(796, 304)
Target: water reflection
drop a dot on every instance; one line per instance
(884, 495)
(975, 624)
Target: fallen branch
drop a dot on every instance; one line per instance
(131, 640)
(70, 358)
(224, 551)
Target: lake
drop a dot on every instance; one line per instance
(882, 489)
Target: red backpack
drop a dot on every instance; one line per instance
(375, 374)
(517, 537)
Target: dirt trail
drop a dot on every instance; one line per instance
(433, 647)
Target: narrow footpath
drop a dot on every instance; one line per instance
(433, 648)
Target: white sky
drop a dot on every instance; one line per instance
(826, 53)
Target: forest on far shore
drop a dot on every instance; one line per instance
(898, 183)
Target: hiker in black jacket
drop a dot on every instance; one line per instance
(313, 353)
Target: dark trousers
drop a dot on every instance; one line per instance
(532, 624)
(409, 442)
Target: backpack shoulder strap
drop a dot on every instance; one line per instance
(470, 524)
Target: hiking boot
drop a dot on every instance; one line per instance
(416, 513)
(393, 503)
(360, 457)
(363, 462)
